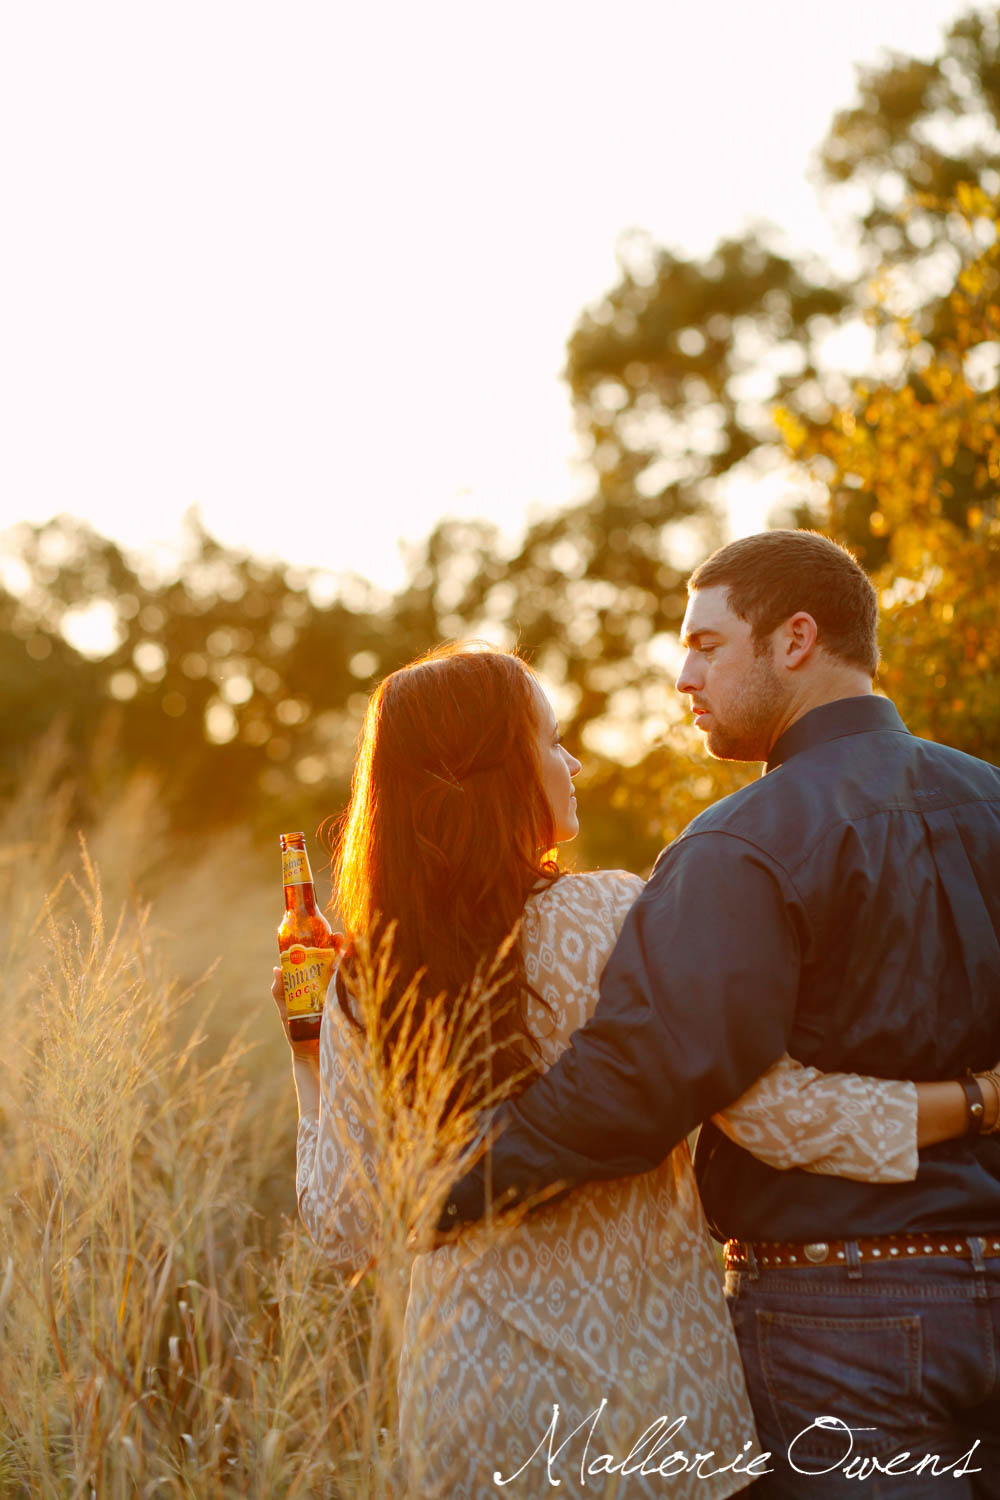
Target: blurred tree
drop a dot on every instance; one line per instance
(243, 681)
(918, 130)
(924, 449)
(240, 684)
(228, 679)
(675, 374)
(43, 682)
(672, 376)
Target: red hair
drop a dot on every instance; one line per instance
(446, 835)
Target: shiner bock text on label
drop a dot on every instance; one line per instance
(307, 973)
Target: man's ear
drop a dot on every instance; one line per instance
(796, 641)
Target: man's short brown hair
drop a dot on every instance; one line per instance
(776, 574)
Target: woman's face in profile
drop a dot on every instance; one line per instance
(557, 769)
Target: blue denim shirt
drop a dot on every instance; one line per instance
(844, 908)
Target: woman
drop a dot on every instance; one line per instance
(610, 1293)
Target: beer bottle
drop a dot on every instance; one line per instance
(306, 941)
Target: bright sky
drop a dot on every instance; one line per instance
(312, 267)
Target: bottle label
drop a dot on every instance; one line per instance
(307, 973)
(295, 867)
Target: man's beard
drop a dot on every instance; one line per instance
(747, 730)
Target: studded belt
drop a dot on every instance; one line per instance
(766, 1255)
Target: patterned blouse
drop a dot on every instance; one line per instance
(514, 1338)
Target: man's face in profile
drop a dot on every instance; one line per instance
(736, 693)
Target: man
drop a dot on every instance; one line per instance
(845, 907)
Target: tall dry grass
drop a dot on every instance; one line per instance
(167, 1329)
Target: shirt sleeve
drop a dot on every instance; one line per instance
(838, 1124)
(696, 1002)
(336, 1179)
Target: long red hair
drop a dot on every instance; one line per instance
(447, 831)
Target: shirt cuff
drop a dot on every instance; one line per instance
(466, 1202)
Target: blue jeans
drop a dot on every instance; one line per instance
(911, 1352)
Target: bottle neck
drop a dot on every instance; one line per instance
(301, 898)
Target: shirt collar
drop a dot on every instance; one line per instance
(832, 721)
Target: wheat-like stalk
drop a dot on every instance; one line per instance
(166, 1327)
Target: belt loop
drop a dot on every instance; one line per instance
(977, 1245)
(753, 1268)
(853, 1253)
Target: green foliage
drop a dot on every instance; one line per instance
(672, 373)
(223, 680)
(239, 684)
(918, 130)
(924, 449)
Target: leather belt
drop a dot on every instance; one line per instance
(767, 1255)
